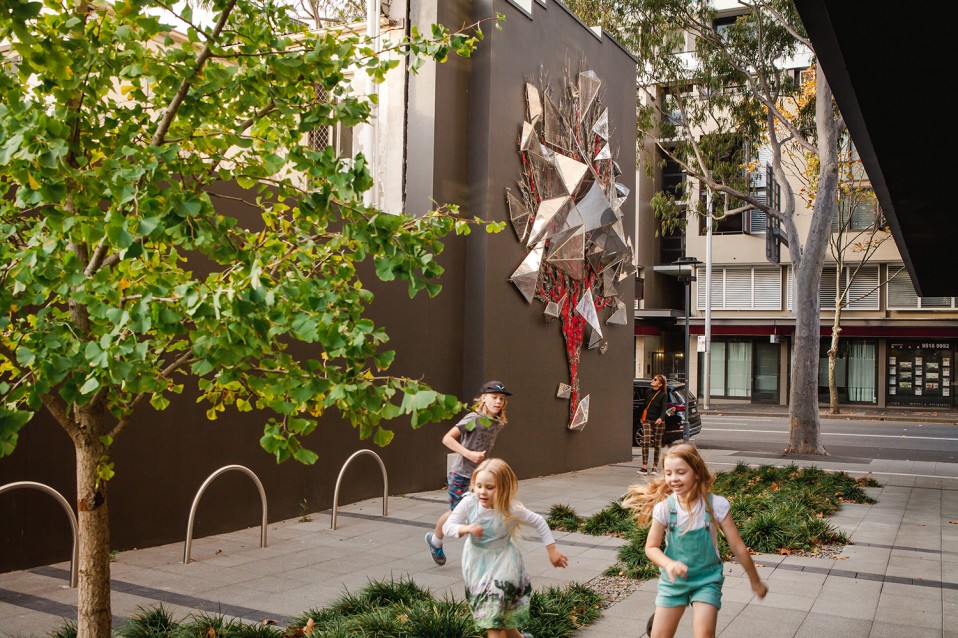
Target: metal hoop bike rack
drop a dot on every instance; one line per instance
(339, 481)
(199, 494)
(74, 556)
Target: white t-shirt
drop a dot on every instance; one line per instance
(460, 516)
(720, 507)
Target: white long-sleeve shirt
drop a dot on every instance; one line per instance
(525, 516)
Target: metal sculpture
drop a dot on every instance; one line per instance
(567, 213)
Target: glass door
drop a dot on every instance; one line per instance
(765, 386)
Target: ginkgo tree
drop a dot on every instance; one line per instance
(123, 273)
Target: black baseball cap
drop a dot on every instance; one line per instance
(494, 387)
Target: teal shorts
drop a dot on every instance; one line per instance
(682, 593)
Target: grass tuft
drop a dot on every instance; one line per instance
(67, 630)
(563, 518)
(560, 612)
(154, 622)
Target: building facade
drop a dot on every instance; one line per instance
(895, 348)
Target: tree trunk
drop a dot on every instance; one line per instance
(804, 436)
(832, 357)
(94, 616)
(804, 426)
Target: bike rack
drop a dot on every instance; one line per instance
(199, 494)
(339, 480)
(66, 507)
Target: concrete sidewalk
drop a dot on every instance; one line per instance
(899, 577)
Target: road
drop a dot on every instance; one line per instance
(851, 439)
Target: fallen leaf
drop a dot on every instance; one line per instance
(310, 624)
(954, 522)
(839, 557)
(920, 525)
(211, 632)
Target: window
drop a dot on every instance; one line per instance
(731, 368)
(855, 370)
(671, 113)
(862, 295)
(339, 137)
(741, 288)
(902, 295)
(860, 215)
(759, 184)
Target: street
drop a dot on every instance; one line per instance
(855, 440)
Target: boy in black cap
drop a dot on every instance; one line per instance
(472, 440)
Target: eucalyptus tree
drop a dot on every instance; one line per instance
(123, 274)
(859, 231)
(714, 87)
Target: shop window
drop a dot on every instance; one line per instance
(855, 371)
(731, 367)
(919, 373)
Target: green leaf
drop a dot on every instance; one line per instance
(383, 437)
(91, 385)
(304, 456)
(11, 422)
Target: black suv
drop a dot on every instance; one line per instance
(642, 389)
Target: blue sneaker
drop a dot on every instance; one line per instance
(438, 555)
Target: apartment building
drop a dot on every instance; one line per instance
(896, 348)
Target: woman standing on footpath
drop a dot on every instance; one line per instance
(653, 422)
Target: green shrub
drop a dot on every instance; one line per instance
(563, 518)
(559, 612)
(154, 622)
(613, 520)
(68, 630)
(441, 619)
(393, 592)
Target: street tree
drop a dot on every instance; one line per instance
(859, 231)
(126, 271)
(712, 92)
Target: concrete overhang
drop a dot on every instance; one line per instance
(886, 65)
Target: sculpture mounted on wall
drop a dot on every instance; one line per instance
(567, 213)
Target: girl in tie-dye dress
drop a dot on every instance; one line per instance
(497, 586)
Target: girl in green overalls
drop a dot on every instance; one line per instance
(690, 566)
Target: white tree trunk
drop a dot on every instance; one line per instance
(832, 359)
(804, 435)
(804, 425)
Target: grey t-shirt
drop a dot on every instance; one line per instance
(477, 437)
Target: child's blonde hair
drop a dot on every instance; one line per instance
(642, 498)
(507, 486)
(478, 406)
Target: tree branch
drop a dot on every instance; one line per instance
(182, 360)
(201, 59)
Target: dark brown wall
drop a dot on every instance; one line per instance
(464, 119)
(509, 338)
